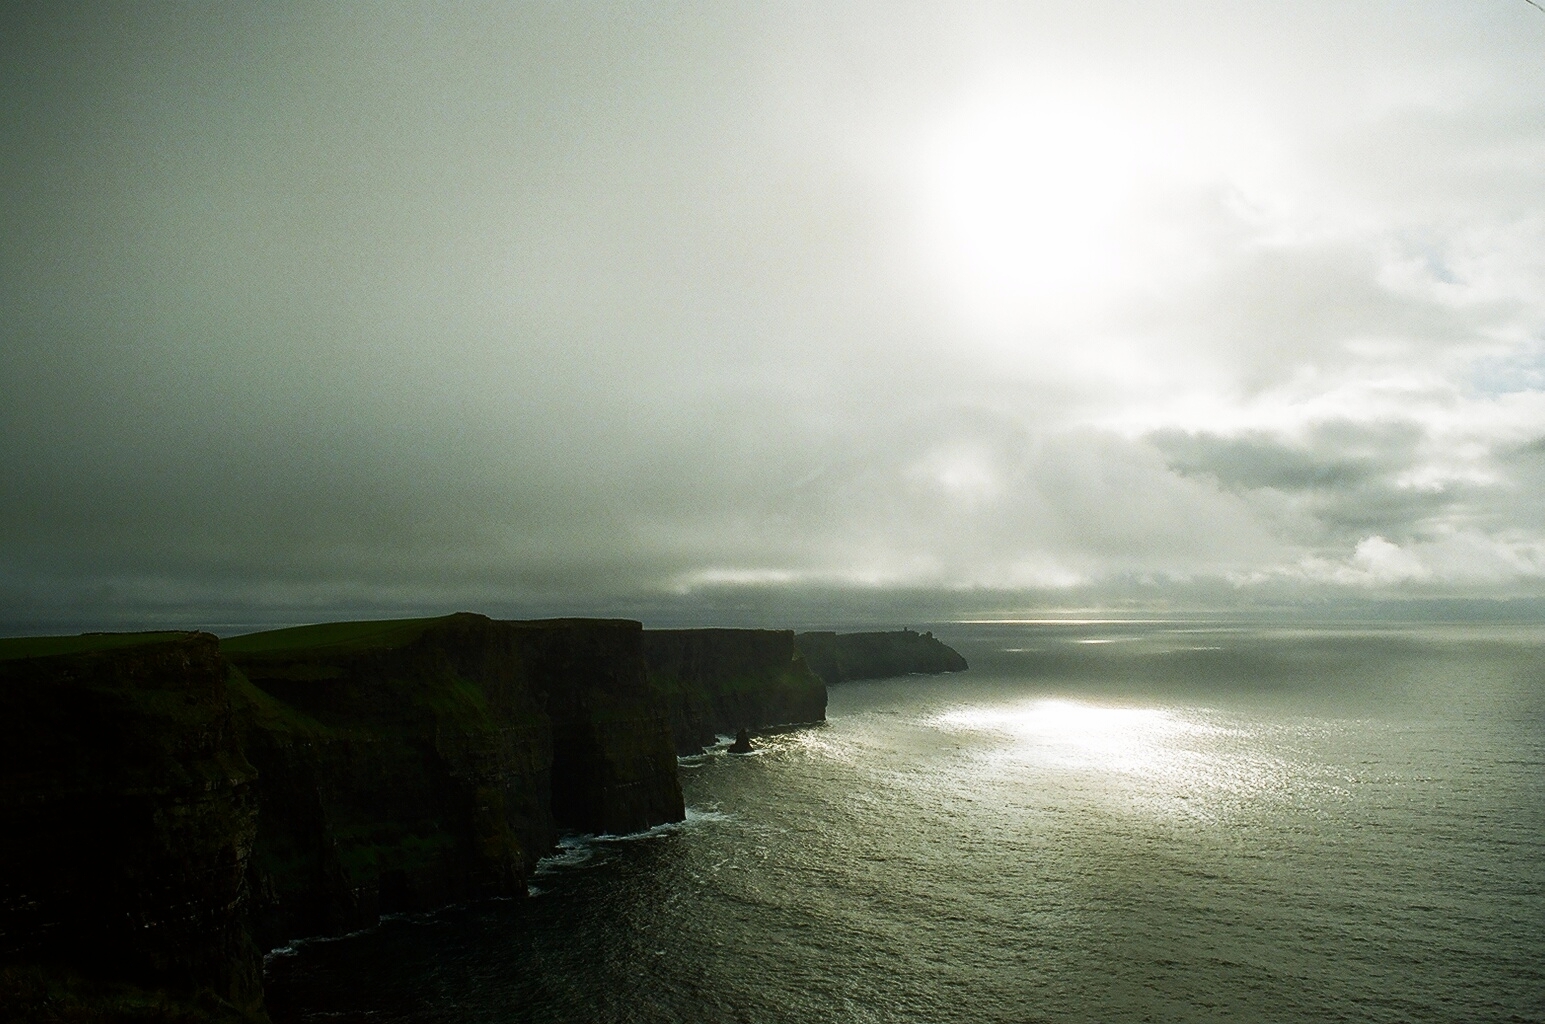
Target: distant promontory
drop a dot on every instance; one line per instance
(840, 657)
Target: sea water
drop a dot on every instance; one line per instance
(1098, 822)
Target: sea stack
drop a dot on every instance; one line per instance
(742, 744)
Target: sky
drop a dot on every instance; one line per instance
(786, 313)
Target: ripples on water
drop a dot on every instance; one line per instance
(1097, 823)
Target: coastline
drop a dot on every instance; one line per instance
(303, 783)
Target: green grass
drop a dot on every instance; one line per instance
(18, 647)
(270, 713)
(331, 637)
(455, 698)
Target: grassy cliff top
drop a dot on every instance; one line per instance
(15, 648)
(332, 637)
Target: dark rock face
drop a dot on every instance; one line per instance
(127, 815)
(429, 762)
(389, 782)
(837, 657)
(171, 804)
(742, 744)
(718, 680)
(614, 765)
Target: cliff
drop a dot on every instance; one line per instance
(171, 804)
(165, 799)
(410, 764)
(127, 815)
(720, 680)
(838, 657)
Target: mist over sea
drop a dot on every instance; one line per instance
(1099, 822)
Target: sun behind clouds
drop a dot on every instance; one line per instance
(1042, 197)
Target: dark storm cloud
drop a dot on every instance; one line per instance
(1259, 459)
(1347, 480)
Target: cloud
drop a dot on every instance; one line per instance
(1261, 459)
(595, 309)
(1376, 561)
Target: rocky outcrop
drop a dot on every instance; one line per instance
(127, 815)
(720, 680)
(407, 765)
(838, 657)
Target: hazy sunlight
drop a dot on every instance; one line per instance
(1042, 197)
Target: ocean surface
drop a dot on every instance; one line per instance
(1099, 822)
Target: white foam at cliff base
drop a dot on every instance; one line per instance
(574, 850)
(294, 946)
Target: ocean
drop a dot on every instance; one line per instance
(1100, 821)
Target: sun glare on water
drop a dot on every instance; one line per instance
(1079, 733)
(1162, 754)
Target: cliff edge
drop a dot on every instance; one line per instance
(716, 681)
(411, 764)
(172, 804)
(839, 657)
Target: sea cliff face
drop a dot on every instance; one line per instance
(128, 812)
(408, 765)
(614, 765)
(839, 657)
(172, 804)
(719, 680)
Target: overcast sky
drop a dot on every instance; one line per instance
(788, 312)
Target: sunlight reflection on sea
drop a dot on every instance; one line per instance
(1194, 823)
(1189, 761)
